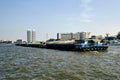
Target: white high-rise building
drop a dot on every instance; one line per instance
(31, 36)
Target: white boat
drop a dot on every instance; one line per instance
(114, 43)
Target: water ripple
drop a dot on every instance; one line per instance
(24, 63)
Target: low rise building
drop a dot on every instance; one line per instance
(75, 36)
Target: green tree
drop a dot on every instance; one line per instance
(118, 35)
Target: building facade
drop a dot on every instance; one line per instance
(66, 36)
(31, 36)
(84, 35)
(75, 36)
(58, 36)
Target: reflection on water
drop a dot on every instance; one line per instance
(23, 63)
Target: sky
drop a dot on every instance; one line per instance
(49, 17)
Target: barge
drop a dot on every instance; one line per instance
(41, 45)
(71, 45)
(77, 45)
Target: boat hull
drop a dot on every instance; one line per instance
(71, 47)
(65, 47)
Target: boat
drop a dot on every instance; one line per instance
(77, 45)
(61, 45)
(71, 45)
(36, 45)
(90, 45)
(112, 42)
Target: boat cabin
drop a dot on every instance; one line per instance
(87, 43)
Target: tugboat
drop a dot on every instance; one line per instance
(77, 45)
(89, 45)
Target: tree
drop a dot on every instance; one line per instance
(118, 35)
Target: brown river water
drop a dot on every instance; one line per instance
(25, 63)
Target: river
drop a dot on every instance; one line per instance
(25, 63)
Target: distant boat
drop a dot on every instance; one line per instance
(112, 42)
